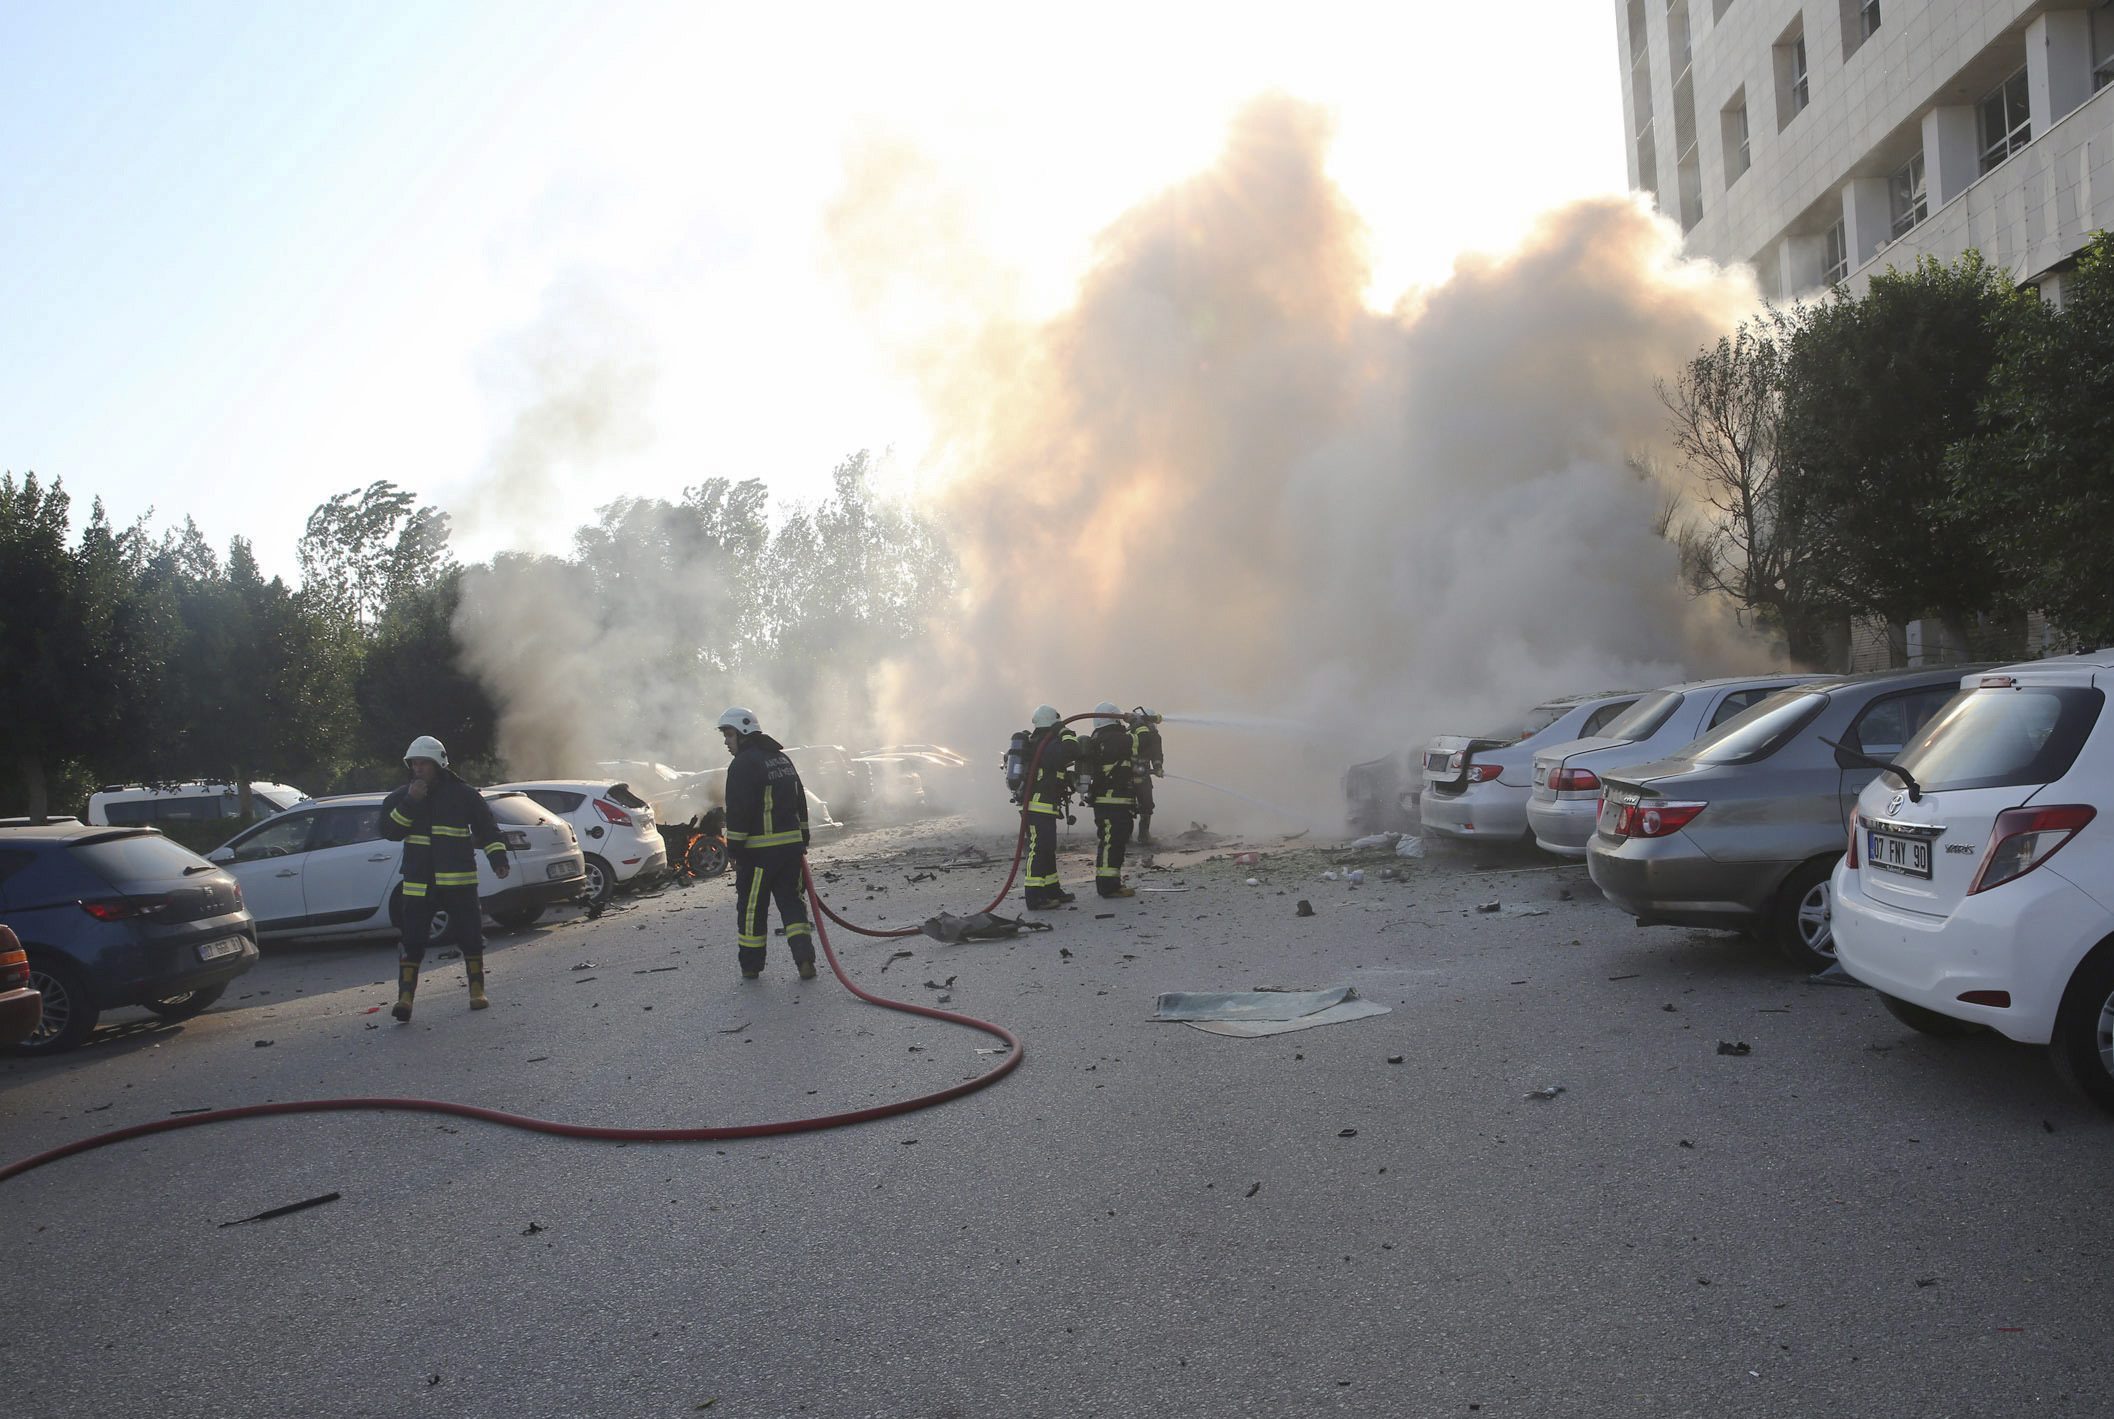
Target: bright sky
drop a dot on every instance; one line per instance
(255, 253)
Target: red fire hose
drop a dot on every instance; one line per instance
(1015, 1051)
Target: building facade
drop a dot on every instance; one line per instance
(1823, 140)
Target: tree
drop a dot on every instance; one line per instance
(79, 647)
(413, 682)
(1757, 544)
(2039, 478)
(364, 547)
(1876, 390)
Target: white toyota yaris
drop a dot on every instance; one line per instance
(1978, 885)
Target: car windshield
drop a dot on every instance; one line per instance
(1643, 719)
(281, 801)
(1533, 722)
(2002, 738)
(142, 857)
(1759, 730)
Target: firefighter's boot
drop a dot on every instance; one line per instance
(406, 987)
(474, 966)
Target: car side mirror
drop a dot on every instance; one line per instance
(221, 854)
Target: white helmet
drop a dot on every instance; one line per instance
(1045, 716)
(1105, 713)
(741, 721)
(427, 747)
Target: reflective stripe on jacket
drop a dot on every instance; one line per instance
(766, 802)
(441, 835)
(1110, 747)
(1060, 750)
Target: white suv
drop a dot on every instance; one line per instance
(615, 827)
(1978, 888)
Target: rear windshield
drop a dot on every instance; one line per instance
(621, 794)
(279, 802)
(518, 808)
(1643, 719)
(143, 857)
(2002, 738)
(1759, 730)
(1533, 722)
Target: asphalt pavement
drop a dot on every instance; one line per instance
(1375, 1217)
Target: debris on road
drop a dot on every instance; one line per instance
(262, 1044)
(270, 1212)
(1306, 908)
(950, 930)
(898, 956)
(1247, 859)
(1346, 1133)
(1549, 1091)
(585, 966)
(1490, 907)
(1250, 1014)
(1375, 842)
(1410, 847)
(1394, 1059)
(1253, 1189)
(531, 1229)
(734, 1030)
(1736, 1048)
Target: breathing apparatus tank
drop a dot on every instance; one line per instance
(1017, 763)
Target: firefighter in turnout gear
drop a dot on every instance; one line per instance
(442, 823)
(767, 838)
(1115, 798)
(1045, 799)
(1148, 761)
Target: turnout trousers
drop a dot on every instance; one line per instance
(1111, 838)
(1143, 788)
(462, 922)
(1043, 887)
(761, 876)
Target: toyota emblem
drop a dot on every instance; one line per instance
(1893, 805)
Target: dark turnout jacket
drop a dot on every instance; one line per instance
(441, 834)
(766, 802)
(1110, 747)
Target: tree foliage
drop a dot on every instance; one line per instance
(363, 549)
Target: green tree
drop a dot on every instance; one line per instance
(412, 681)
(1877, 389)
(857, 575)
(80, 652)
(363, 548)
(2039, 477)
(1757, 543)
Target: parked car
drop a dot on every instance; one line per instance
(1477, 785)
(1978, 889)
(615, 828)
(137, 805)
(833, 776)
(1742, 829)
(325, 869)
(21, 1004)
(1566, 795)
(113, 917)
(909, 777)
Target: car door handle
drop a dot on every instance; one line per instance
(287, 872)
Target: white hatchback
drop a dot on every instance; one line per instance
(615, 827)
(324, 869)
(1978, 888)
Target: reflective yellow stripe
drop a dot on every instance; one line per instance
(1111, 801)
(420, 839)
(399, 819)
(798, 928)
(447, 832)
(749, 943)
(455, 879)
(1037, 805)
(767, 794)
(775, 839)
(495, 847)
(414, 889)
(734, 837)
(752, 917)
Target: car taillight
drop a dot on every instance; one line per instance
(1849, 855)
(1484, 773)
(1653, 819)
(1575, 781)
(2024, 838)
(14, 970)
(611, 813)
(125, 908)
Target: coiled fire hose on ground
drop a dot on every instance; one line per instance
(1015, 1051)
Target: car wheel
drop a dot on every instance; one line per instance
(515, 918)
(191, 1002)
(2082, 1047)
(601, 882)
(706, 856)
(69, 1006)
(1803, 927)
(436, 935)
(1928, 1022)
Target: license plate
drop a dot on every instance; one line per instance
(1907, 856)
(564, 869)
(1436, 762)
(214, 950)
(1541, 775)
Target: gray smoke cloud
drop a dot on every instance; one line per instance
(1221, 483)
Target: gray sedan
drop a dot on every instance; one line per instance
(1741, 829)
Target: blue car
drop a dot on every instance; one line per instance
(112, 917)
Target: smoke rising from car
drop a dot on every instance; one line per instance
(1221, 478)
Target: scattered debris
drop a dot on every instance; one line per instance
(1388, 874)
(262, 1044)
(1490, 907)
(939, 984)
(1104, 916)
(1329, 876)
(1383, 842)
(1563, 894)
(1306, 908)
(1394, 1059)
(1247, 859)
(1165, 889)
(1631, 976)
(270, 1212)
(1253, 1189)
(1670, 1008)
(1346, 1133)
(949, 929)
(1252, 882)
(1686, 1144)
(734, 1030)
(585, 979)
(1410, 847)
(1250, 1014)
(1355, 877)
(913, 880)
(898, 956)
(1547, 1092)
(1735, 1048)
(585, 966)
(655, 970)
(532, 1228)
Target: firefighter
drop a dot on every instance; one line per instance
(767, 839)
(1115, 798)
(442, 822)
(1045, 798)
(1148, 757)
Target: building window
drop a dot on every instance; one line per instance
(2103, 46)
(1792, 90)
(1834, 256)
(1732, 125)
(2007, 125)
(1911, 202)
(1679, 54)
(1860, 21)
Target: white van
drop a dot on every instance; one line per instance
(122, 805)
